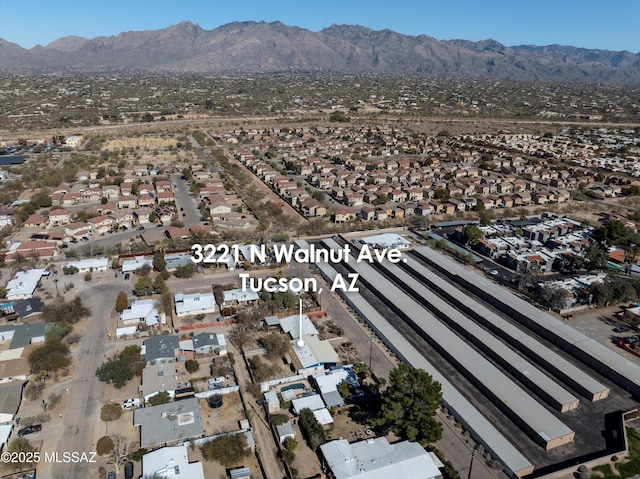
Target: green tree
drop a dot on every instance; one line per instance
(409, 405)
(339, 116)
(441, 195)
(596, 256)
(41, 200)
(163, 397)
(118, 370)
(486, 216)
(228, 450)
(311, 429)
(555, 298)
(613, 233)
(159, 262)
(471, 234)
(381, 199)
(362, 371)
(68, 312)
(185, 271)
(122, 302)
(276, 344)
(51, 356)
(159, 286)
(345, 389)
(18, 445)
(191, 365)
(285, 299)
(143, 287)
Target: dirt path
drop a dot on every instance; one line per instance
(265, 443)
(287, 209)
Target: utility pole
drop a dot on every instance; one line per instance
(473, 455)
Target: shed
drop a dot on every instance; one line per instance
(240, 473)
(284, 431)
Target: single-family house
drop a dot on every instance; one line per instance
(195, 303)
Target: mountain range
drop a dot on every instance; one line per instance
(263, 47)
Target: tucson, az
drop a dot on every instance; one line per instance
(261, 251)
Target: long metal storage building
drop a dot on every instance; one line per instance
(553, 362)
(538, 423)
(515, 463)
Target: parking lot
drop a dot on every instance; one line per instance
(602, 325)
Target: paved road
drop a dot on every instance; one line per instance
(458, 452)
(189, 214)
(203, 154)
(84, 396)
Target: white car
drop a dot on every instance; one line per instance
(131, 403)
(493, 272)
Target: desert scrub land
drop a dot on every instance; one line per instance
(145, 143)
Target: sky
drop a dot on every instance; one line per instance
(605, 24)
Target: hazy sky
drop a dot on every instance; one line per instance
(606, 24)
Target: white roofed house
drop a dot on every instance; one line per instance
(143, 310)
(195, 303)
(235, 297)
(375, 458)
(133, 264)
(90, 264)
(171, 462)
(24, 283)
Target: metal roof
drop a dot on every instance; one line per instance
(479, 426)
(527, 373)
(595, 355)
(570, 374)
(375, 458)
(542, 426)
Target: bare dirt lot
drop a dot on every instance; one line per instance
(147, 143)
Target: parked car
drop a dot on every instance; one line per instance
(111, 475)
(132, 403)
(30, 429)
(127, 276)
